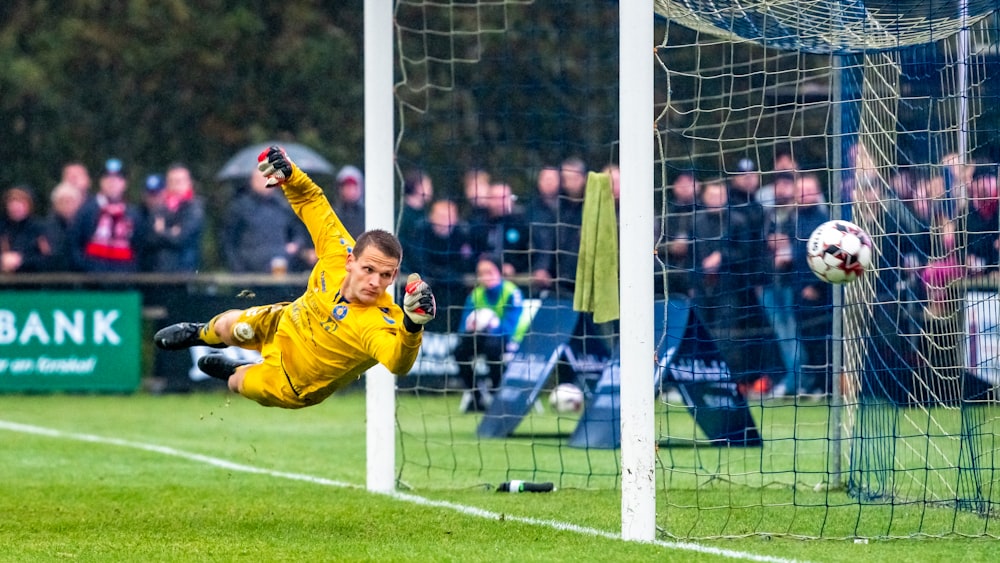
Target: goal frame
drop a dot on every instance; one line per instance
(636, 42)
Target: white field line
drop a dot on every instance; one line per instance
(404, 497)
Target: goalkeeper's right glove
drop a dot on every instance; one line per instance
(419, 306)
(275, 165)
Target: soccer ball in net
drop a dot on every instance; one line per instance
(566, 398)
(482, 320)
(839, 251)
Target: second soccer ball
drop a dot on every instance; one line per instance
(566, 398)
(482, 320)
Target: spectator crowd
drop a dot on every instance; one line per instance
(98, 228)
(736, 246)
(733, 244)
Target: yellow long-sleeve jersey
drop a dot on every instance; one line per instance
(320, 341)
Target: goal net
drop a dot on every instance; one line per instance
(864, 410)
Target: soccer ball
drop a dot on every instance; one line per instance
(566, 398)
(839, 251)
(482, 320)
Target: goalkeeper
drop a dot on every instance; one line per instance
(342, 325)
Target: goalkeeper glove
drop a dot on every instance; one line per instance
(275, 165)
(419, 306)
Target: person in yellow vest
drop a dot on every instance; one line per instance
(493, 324)
(343, 324)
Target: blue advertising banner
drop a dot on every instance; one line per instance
(545, 344)
(688, 358)
(70, 341)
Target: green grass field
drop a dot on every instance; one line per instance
(214, 477)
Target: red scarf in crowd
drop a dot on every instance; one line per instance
(112, 239)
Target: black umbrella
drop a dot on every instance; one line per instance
(244, 162)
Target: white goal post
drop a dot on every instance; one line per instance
(636, 40)
(380, 385)
(636, 122)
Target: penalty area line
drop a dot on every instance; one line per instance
(399, 496)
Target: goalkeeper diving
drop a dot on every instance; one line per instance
(343, 324)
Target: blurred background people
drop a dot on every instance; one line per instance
(418, 192)
(443, 250)
(724, 301)
(558, 253)
(676, 250)
(777, 293)
(502, 231)
(475, 187)
(350, 201)
(175, 220)
(24, 244)
(813, 297)
(784, 161)
(66, 200)
(542, 216)
(105, 235)
(983, 220)
(76, 174)
(260, 230)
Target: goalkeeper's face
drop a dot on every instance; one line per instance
(369, 274)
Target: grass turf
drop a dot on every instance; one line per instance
(69, 498)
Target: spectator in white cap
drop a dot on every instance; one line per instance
(350, 204)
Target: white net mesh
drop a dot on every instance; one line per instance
(880, 100)
(821, 26)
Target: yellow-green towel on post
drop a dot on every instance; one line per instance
(597, 264)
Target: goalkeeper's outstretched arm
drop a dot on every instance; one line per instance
(306, 198)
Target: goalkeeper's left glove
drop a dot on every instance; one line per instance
(419, 306)
(275, 165)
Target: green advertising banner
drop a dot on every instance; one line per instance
(70, 341)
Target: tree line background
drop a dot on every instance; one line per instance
(196, 80)
(174, 80)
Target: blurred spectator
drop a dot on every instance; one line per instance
(445, 254)
(743, 186)
(983, 220)
(755, 343)
(261, 233)
(418, 192)
(105, 235)
(892, 340)
(175, 220)
(475, 187)
(152, 207)
(783, 162)
(915, 190)
(676, 249)
(813, 297)
(859, 165)
(491, 327)
(752, 235)
(24, 245)
(152, 196)
(725, 302)
(559, 258)
(957, 177)
(350, 202)
(777, 295)
(542, 219)
(709, 232)
(76, 174)
(503, 231)
(66, 202)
